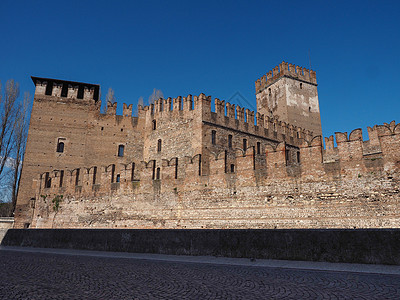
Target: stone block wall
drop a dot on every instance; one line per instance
(371, 246)
(346, 186)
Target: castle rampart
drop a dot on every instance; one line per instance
(347, 191)
(224, 116)
(289, 92)
(286, 70)
(179, 164)
(66, 89)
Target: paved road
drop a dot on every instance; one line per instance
(26, 275)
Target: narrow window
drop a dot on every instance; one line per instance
(60, 146)
(94, 175)
(154, 169)
(269, 91)
(230, 141)
(176, 168)
(275, 127)
(121, 150)
(225, 161)
(158, 173)
(61, 178)
(49, 88)
(200, 165)
(133, 172)
(154, 124)
(287, 156)
(64, 90)
(118, 178)
(298, 157)
(298, 134)
(112, 173)
(159, 146)
(232, 168)
(213, 136)
(47, 181)
(244, 144)
(301, 85)
(258, 147)
(77, 176)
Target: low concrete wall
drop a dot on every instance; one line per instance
(5, 224)
(374, 246)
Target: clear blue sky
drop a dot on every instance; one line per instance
(215, 47)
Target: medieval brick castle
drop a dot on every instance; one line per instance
(179, 164)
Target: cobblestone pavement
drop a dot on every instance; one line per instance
(27, 275)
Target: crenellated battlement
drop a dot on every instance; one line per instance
(227, 115)
(126, 110)
(247, 121)
(175, 105)
(189, 161)
(285, 69)
(350, 158)
(66, 89)
(111, 108)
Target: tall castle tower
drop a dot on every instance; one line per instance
(290, 93)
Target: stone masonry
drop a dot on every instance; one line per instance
(182, 164)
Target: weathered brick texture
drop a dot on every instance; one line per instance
(185, 166)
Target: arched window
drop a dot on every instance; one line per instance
(121, 150)
(154, 125)
(159, 146)
(301, 85)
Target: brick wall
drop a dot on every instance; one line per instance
(346, 186)
(282, 177)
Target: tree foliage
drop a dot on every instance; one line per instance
(13, 134)
(110, 97)
(157, 94)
